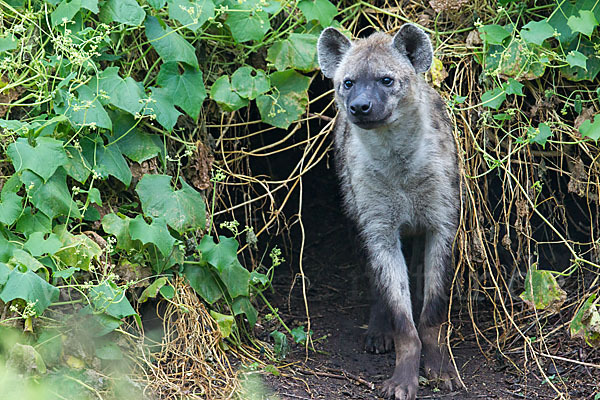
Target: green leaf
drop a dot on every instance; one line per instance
(513, 86)
(192, 14)
(586, 322)
(86, 110)
(77, 250)
(39, 246)
(110, 299)
(223, 93)
(163, 108)
(542, 134)
(11, 208)
(281, 347)
(4, 272)
(520, 60)
(542, 291)
(220, 255)
(168, 44)
(65, 273)
(287, 102)
(494, 34)
(225, 323)
(298, 51)
(152, 290)
(248, 25)
(22, 258)
(591, 129)
(493, 98)
(157, 4)
(576, 59)
(201, 279)
(155, 233)
(107, 160)
(76, 166)
(249, 82)
(242, 305)
(182, 209)
(119, 227)
(537, 31)
(30, 222)
(236, 278)
(29, 287)
(187, 89)
(126, 94)
(65, 11)
(91, 5)
(52, 197)
(167, 292)
(101, 324)
(109, 351)
(585, 23)
(42, 159)
(8, 42)
(127, 12)
(299, 335)
(587, 48)
(132, 142)
(320, 10)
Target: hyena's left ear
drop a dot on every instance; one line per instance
(414, 43)
(331, 47)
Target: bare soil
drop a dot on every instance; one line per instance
(338, 301)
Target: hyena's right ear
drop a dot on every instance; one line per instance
(331, 47)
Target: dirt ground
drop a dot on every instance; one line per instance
(338, 299)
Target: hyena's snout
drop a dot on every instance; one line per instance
(361, 106)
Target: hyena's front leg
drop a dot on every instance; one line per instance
(437, 261)
(380, 333)
(391, 277)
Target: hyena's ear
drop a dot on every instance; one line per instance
(415, 44)
(331, 47)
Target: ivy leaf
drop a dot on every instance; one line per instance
(236, 278)
(152, 290)
(43, 159)
(201, 279)
(91, 5)
(169, 45)
(591, 129)
(248, 25)
(242, 305)
(106, 160)
(585, 23)
(298, 51)
(11, 207)
(542, 134)
(220, 255)
(52, 197)
(542, 291)
(110, 299)
(592, 65)
(157, 4)
(127, 12)
(126, 94)
(586, 322)
(288, 101)
(320, 10)
(222, 92)
(163, 107)
(577, 59)
(249, 82)
(38, 246)
(156, 233)
(537, 31)
(30, 222)
(512, 86)
(8, 43)
(65, 11)
(187, 89)
(493, 98)
(192, 14)
(77, 250)
(76, 166)
(119, 227)
(494, 34)
(133, 143)
(182, 209)
(225, 323)
(29, 287)
(85, 110)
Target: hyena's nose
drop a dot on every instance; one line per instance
(360, 107)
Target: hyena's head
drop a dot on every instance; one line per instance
(374, 77)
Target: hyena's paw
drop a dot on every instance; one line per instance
(401, 388)
(379, 342)
(438, 370)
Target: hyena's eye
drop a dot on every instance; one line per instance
(387, 81)
(348, 84)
